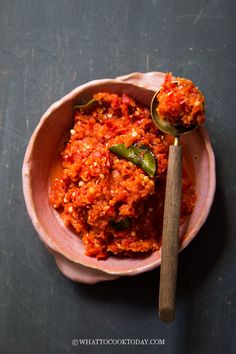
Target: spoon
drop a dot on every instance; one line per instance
(170, 236)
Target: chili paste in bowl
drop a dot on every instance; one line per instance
(94, 180)
(112, 186)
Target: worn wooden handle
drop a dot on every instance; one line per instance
(170, 236)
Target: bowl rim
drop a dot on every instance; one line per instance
(27, 191)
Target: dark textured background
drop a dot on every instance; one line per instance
(46, 49)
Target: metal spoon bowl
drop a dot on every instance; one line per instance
(164, 125)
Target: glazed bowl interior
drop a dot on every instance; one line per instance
(43, 150)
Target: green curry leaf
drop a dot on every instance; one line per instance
(121, 225)
(87, 105)
(141, 156)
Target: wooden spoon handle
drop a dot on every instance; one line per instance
(170, 236)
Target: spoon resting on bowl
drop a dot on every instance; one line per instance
(176, 109)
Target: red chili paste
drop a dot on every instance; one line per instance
(114, 206)
(180, 102)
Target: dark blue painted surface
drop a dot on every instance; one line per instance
(48, 48)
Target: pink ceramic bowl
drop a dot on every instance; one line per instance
(65, 245)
